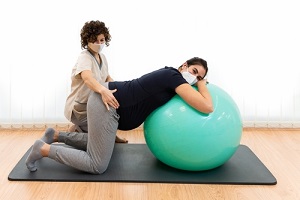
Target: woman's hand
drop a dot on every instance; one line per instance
(201, 82)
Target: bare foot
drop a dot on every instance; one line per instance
(121, 140)
(72, 128)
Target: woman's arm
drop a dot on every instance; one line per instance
(107, 95)
(200, 100)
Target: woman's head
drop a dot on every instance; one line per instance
(90, 32)
(196, 66)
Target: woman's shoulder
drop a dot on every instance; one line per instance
(163, 73)
(170, 70)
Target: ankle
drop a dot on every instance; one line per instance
(45, 150)
(55, 136)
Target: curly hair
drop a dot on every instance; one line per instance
(91, 30)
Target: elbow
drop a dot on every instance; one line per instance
(209, 109)
(206, 109)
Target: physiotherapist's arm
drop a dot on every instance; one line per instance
(107, 95)
(109, 79)
(200, 100)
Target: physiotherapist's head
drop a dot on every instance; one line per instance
(94, 32)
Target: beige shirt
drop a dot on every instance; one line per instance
(79, 91)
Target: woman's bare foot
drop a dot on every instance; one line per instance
(121, 140)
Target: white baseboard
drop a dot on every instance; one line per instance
(35, 126)
(264, 124)
(246, 124)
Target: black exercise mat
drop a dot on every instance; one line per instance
(135, 163)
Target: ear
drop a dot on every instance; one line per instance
(184, 65)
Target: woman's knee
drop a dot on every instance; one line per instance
(99, 168)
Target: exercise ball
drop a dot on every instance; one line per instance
(184, 138)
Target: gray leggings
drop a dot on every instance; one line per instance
(97, 146)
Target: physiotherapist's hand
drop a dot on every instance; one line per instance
(109, 99)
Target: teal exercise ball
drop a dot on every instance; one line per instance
(184, 138)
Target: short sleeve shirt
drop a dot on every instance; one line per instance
(139, 97)
(79, 91)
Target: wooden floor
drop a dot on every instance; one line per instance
(278, 149)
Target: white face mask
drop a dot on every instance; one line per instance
(190, 78)
(96, 47)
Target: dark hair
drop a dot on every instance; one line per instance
(197, 61)
(91, 30)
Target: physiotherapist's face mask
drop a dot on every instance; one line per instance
(96, 47)
(190, 78)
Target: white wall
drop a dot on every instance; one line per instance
(252, 49)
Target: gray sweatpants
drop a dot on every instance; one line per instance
(98, 142)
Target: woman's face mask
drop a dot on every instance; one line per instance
(96, 47)
(190, 78)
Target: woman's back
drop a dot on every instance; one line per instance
(139, 97)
